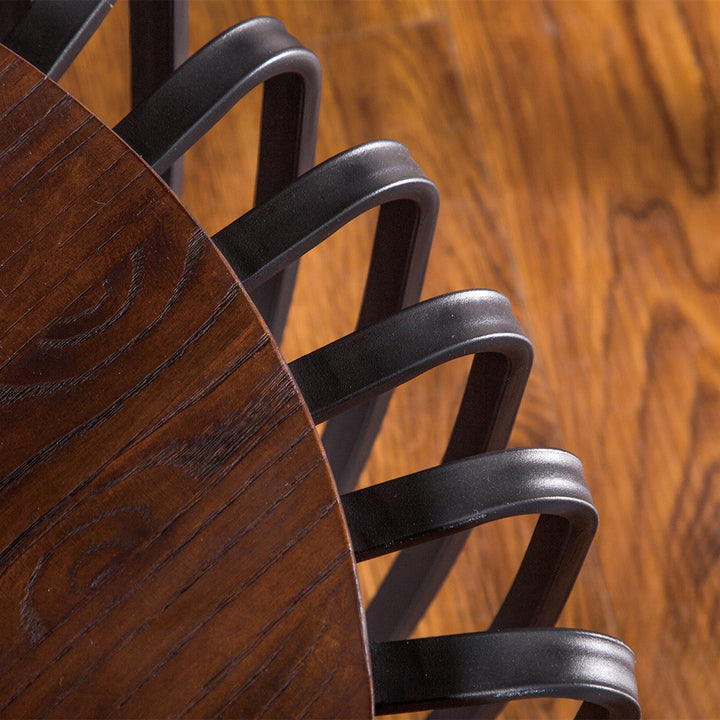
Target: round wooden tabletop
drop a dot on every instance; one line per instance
(171, 542)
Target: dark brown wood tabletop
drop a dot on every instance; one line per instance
(171, 542)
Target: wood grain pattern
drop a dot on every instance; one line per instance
(170, 540)
(575, 145)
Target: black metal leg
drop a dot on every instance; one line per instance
(373, 360)
(457, 496)
(282, 96)
(209, 83)
(52, 32)
(253, 53)
(158, 45)
(494, 667)
(275, 234)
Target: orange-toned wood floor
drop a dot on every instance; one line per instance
(576, 148)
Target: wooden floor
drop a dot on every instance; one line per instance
(576, 148)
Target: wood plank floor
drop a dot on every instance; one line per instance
(575, 145)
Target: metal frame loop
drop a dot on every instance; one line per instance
(172, 119)
(275, 234)
(51, 33)
(460, 495)
(494, 667)
(373, 360)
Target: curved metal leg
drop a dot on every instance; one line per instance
(494, 667)
(457, 496)
(52, 32)
(158, 45)
(375, 359)
(253, 53)
(275, 234)
(369, 362)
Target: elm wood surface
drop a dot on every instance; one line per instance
(575, 145)
(171, 541)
